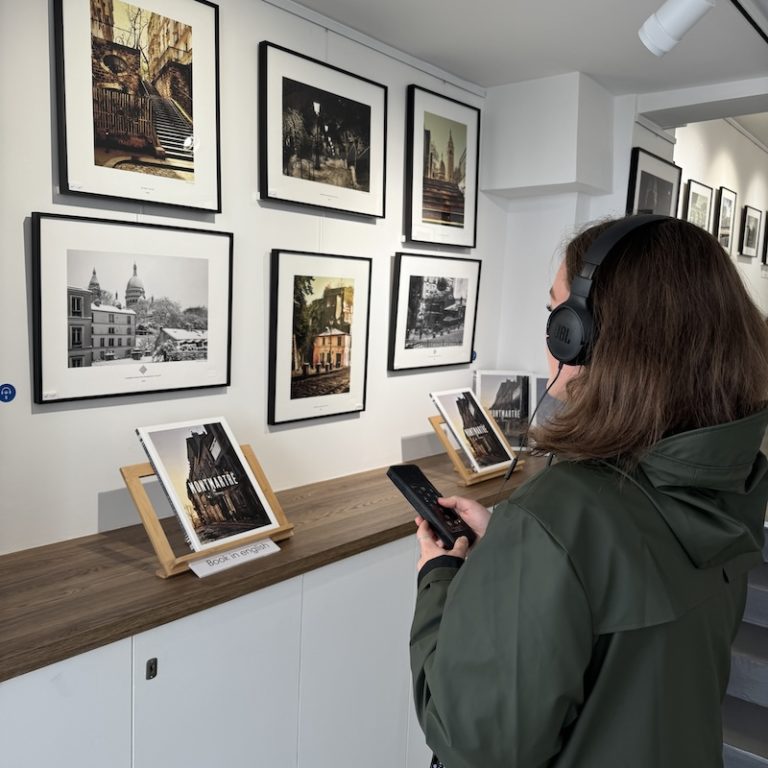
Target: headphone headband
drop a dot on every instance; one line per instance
(570, 329)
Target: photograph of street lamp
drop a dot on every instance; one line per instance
(326, 137)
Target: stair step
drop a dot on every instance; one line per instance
(749, 665)
(756, 611)
(745, 734)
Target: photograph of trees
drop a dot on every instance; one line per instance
(326, 137)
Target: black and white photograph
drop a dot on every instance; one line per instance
(506, 396)
(318, 335)
(725, 217)
(123, 308)
(698, 204)
(326, 137)
(208, 482)
(434, 305)
(138, 100)
(322, 134)
(750, 231)
(654, 184)
(441, 169)
(478, 435)
(158, 315)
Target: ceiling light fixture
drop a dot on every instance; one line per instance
(663, 30)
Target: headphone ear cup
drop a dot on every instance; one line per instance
(569, 333)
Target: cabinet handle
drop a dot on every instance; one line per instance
(151, 669)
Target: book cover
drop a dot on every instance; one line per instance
(476, 432)
(208, 481)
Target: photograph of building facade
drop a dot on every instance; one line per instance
(79, 323)
(222, 500)
(322, 343)
(107, 330)
(510, 407)
(485, 446)
(436, 310)
(141, 64)
(444, 171)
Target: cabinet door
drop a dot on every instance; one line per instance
(226, 690)
(72, 714)
(355, 680)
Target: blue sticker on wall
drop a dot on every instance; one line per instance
(7, 393)
(474, 355)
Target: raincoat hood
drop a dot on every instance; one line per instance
(713, 482)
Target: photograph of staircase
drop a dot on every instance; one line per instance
(745, 709)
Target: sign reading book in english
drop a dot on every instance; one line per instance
(208, 481)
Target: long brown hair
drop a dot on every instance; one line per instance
(680, 345)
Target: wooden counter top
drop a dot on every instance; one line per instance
(67, 598)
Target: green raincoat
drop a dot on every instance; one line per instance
(591, 626)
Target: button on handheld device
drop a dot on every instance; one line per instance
(422, 495)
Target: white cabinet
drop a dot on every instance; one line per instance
(308, 673)
(355, 682)
(73, 714)
(226, 690)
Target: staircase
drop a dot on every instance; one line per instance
(442, 203)
(172, 129)
(745, 709)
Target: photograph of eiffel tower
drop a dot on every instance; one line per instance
(141, 64)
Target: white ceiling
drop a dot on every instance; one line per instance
(494, 42)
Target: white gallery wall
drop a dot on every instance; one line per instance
(555, 154)
(59, 463)
(718, 154)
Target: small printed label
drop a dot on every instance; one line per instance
(205, 566)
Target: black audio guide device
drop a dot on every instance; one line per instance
(422, 495)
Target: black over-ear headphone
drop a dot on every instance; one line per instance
(571, 327)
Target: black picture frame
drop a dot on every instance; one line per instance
(318, 335)
(698, 204)
(654, 184)
(133, 122)
(170, 331)
(764, 257)
(433, 311)
(339, 162)
(725, 218)
(749, 237)
(442, 167)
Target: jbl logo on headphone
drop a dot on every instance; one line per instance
(562, 333)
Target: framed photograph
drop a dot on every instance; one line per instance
(750, 231)
(442, 159)
(122, 308)
(765, 242)
(508, 398)
(654, 184)
(138, 100)
(208, 481)
(322, 134)
(474, 430)
(698, 204)
(434, 306)
(318, 336)
(725, 217)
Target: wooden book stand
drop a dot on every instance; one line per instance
(171, 565)
(468, 475)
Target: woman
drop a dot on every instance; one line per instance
(591, 624)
